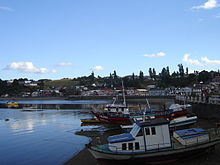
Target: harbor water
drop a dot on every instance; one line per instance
(42, 137)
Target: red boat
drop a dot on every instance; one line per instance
(120, 114)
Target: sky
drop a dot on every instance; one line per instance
(57, 39)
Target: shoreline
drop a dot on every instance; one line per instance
(96, 135)
(82, 158)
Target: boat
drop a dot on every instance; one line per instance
(32, 108)
(121, 114)
(12, 104)
(90, 120)
(150, 141)
(183, 121)
(117, 113)
(176, 123)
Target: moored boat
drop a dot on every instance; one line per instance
(174, 124)
(32, 108)
(12, 104)
(90, 120)
(151, 141)
(121, 114)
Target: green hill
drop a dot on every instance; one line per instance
(60, 83)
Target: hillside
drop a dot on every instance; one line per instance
(60, 83)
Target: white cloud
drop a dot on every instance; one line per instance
(98, 68)
(160, 54)
(6, 8)
(63, 64)
(207, 5)
(210, 62)
(27, 67)
(191, 61)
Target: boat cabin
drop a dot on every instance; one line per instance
(191, 136)
(145, 135)
(117, 108)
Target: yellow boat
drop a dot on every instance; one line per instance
(12, 104)
(90, 120)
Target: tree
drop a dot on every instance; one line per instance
(133, 76)
(150, 73)
(115, 75)
(181, 70)
(154, 73)
(141, 75)
(204, 76)
(187, 70)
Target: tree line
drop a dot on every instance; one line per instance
(179, 78)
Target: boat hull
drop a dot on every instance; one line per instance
(90, 120)
(164, 156)
(114, 120)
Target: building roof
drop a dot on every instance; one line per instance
(120, 138)
(190, 133)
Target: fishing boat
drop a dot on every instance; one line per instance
(117, 113)
(114, 114)
(121, 114)
(150, 141)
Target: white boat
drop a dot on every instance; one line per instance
(150, 141)
(182, 121)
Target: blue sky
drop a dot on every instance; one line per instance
(70, 38)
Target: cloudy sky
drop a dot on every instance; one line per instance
(70, 38)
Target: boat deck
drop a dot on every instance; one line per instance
(214, 135)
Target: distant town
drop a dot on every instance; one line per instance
(201, 85)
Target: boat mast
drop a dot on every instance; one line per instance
(124, 101)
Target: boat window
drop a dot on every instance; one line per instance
(153, 131)
(124, 146)
(130, 146)
(137, 146)
(147, 131)
(140, 133)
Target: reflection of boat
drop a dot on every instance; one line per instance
(12, 104)
(32, 108)
(90, 120)
(151, 141)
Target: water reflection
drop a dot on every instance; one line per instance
(45, 137)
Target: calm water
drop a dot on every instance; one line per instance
(40, 138)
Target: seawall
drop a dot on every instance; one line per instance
(205, 111)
